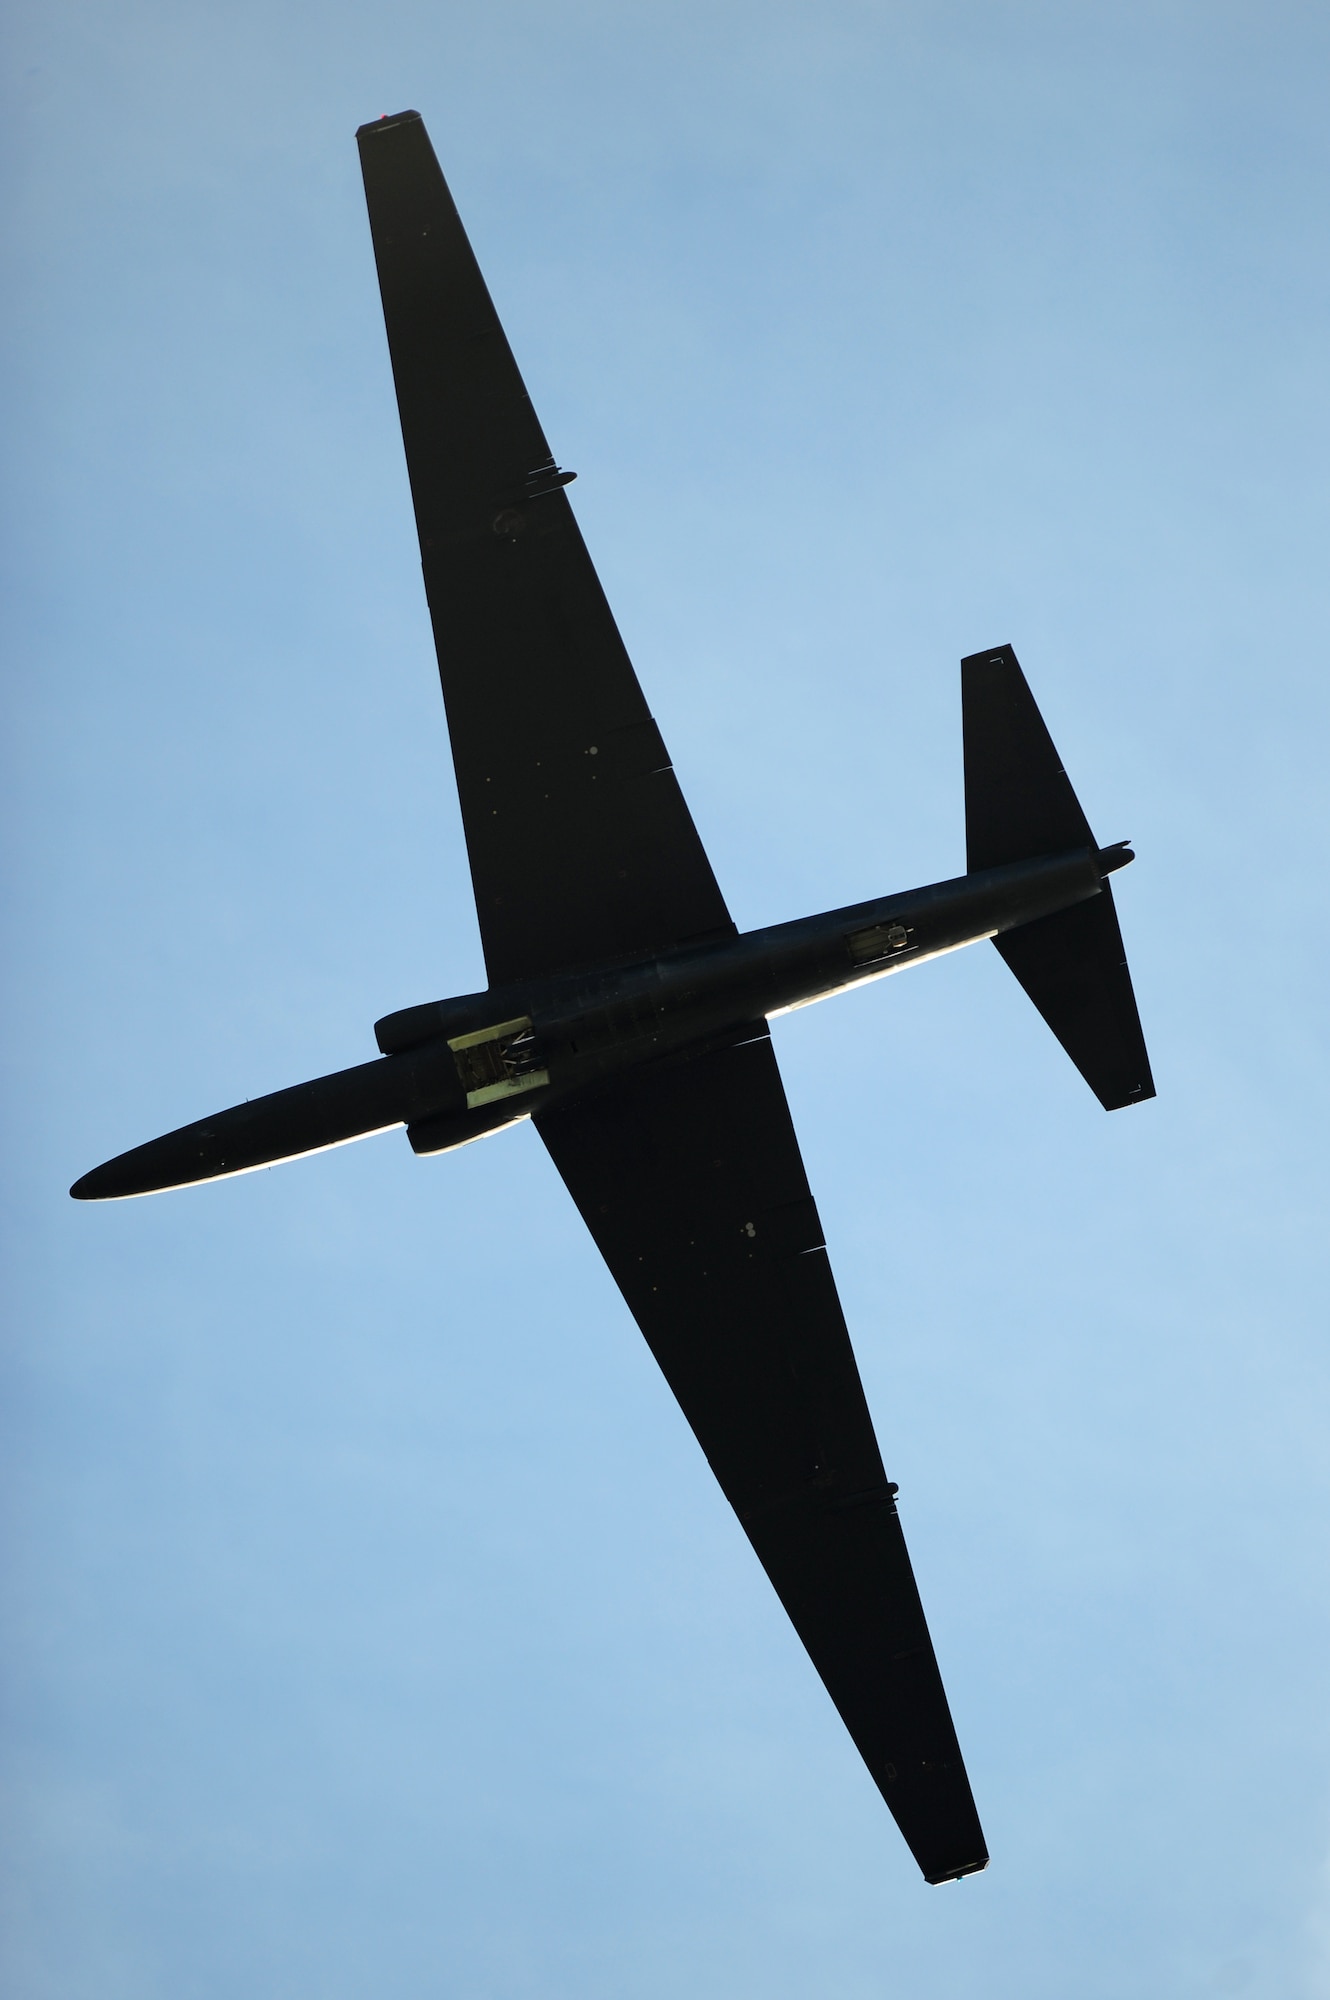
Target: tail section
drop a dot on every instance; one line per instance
(1019, 803)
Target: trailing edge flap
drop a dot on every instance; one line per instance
(1019, 803)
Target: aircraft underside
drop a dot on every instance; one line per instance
(627, 1017)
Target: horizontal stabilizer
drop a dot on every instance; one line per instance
(1073, 967)
(1019, 804)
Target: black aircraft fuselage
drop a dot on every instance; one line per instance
(626, 1016)
(455, 1070)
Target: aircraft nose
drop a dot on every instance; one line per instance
(102, 1184)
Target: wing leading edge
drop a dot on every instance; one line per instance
(582, 848)
(689, 1177)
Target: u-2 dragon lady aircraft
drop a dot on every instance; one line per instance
(627, 1017)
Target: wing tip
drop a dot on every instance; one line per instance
(389, 122)
(992, 656)
(957, 1871)
(1122, 1100)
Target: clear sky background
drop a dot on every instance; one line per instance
(373, 1623)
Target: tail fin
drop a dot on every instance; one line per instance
(1018, 804)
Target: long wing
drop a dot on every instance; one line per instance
(582, 848)
(689, 1177)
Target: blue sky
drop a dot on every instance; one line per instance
(374, 1624)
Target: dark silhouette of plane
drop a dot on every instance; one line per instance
(627, 1017)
